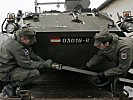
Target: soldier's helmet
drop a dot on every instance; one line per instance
(27, 32)
(101, 37)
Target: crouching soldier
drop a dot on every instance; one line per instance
(114, 56)
(116, 52)
(18, 64)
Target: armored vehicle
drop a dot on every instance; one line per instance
(67, 38)
(126, 23)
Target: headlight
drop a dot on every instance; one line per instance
(130, 27)
(10, 28)
(127, 26)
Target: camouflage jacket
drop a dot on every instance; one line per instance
(14, 54)
(120, 51)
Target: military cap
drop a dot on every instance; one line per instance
(30, 34)
(101, 37)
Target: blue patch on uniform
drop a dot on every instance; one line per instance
(26, 52)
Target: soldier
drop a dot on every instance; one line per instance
(18, 64)
(116, 52)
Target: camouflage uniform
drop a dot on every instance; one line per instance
(120, 51)
(18, 63)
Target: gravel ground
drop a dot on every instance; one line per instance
(65, 99)
(78, 99)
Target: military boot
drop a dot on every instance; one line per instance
(9, 90)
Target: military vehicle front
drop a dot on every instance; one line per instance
(66, 38)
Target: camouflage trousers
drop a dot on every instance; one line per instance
(21, 76)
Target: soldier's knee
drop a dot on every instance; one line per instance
(34, 73)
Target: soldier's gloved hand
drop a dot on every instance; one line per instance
(88, 64)
(57, 66)
(48, 63)
(101, 75)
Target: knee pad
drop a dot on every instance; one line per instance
(34, 73)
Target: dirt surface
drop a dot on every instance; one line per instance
(78, 99)
(66, 85)
(64, 99)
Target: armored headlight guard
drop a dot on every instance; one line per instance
(130, 29)
(128, 26)
(10, 28)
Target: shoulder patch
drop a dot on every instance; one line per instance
(124, 56)
(26, 52)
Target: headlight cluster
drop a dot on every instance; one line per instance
(10, 27)
(130, 27)
(127, 26)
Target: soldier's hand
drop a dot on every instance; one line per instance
(101, 75)
(57, 66)
(88, 64)
(99, 78)
(48, 63)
